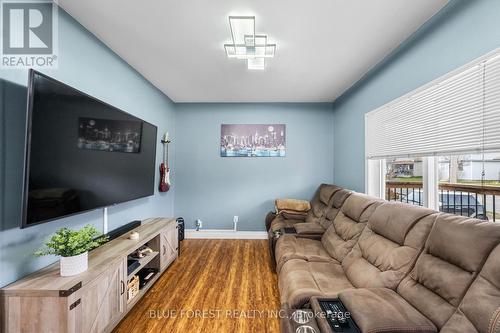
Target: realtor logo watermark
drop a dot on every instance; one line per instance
(29, 34)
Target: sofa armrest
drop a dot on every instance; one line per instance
(378, 310)
(269, 218)
(292, 205)
(309, 228)
(288, 215)
(310, 236)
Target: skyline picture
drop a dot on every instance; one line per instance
(253, 140)
(109, 135)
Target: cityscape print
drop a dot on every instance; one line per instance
(253, 140)
(109, 135)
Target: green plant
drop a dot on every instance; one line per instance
(67, 243)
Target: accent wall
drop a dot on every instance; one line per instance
(462, 31)
(88, 65)
(214, 189)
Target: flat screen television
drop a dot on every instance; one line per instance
(81, 153)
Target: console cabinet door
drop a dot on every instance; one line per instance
(168, 245)
(102, 302)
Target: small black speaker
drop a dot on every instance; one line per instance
(180, 233)
(180, 225)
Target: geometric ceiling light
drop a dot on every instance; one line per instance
(247, 45)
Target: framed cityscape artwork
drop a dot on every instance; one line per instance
(253, 140)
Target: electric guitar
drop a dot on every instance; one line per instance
(164, 168)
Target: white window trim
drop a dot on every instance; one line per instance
(375, 180)
(431, 182)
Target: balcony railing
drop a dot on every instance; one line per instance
(472, 200)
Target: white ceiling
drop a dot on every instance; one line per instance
(324, 46)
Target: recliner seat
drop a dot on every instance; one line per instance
(431, 294)
(341, 235)
(320, 205)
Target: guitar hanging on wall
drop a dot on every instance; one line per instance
(164, 168)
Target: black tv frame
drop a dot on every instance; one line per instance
(27, 149)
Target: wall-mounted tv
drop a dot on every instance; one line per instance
(81, 153)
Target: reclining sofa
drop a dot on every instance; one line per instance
(395, 267)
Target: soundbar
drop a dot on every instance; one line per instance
(123, 229)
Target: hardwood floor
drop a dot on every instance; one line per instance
(215, 286)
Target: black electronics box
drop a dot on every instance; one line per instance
(146, 275)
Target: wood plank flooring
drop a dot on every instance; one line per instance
(215, 286)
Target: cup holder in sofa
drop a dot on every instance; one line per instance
(301, 316)
(306, 329)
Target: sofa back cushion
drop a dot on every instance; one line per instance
(454, 253)
(479, 310)
(389, 245)
(348, 224)
(336, 203)
(320, 202)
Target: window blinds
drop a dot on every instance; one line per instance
(457, 113)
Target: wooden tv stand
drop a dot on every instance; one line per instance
(93, 301)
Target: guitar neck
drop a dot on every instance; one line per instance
(166, 156)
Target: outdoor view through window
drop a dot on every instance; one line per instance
(469, 184)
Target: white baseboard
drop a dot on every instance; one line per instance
(224, 234)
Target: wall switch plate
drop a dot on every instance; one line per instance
(235, 219)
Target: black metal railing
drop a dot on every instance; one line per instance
(409, 192)
(472, 200)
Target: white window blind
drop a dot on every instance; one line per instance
(459, 112)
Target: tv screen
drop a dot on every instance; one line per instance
(81, 153)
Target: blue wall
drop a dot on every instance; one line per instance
(461, 32)
(214, 188)
(88, 65)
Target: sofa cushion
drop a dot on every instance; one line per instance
(339, 197)
(453, 255)
(299, 280)
(347, 226)
(389, 245)
(309, 228)
(480, 307)
(336, 203)
(320, 225)
(292, 205)
(320, 203)
(290, 247)
(459, 323)
(326, 192)
(281, 222)
(356, 204)
(383, 310)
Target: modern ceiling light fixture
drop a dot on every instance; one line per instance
(247, 45)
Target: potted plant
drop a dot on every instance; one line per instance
(73, 246)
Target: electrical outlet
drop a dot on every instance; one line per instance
(199, 224)
(235, 219)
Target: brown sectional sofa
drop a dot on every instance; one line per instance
(411, 269)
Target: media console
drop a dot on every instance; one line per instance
(96, 300)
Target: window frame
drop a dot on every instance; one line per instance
(375, 179)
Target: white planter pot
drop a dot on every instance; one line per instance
(74, 265)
